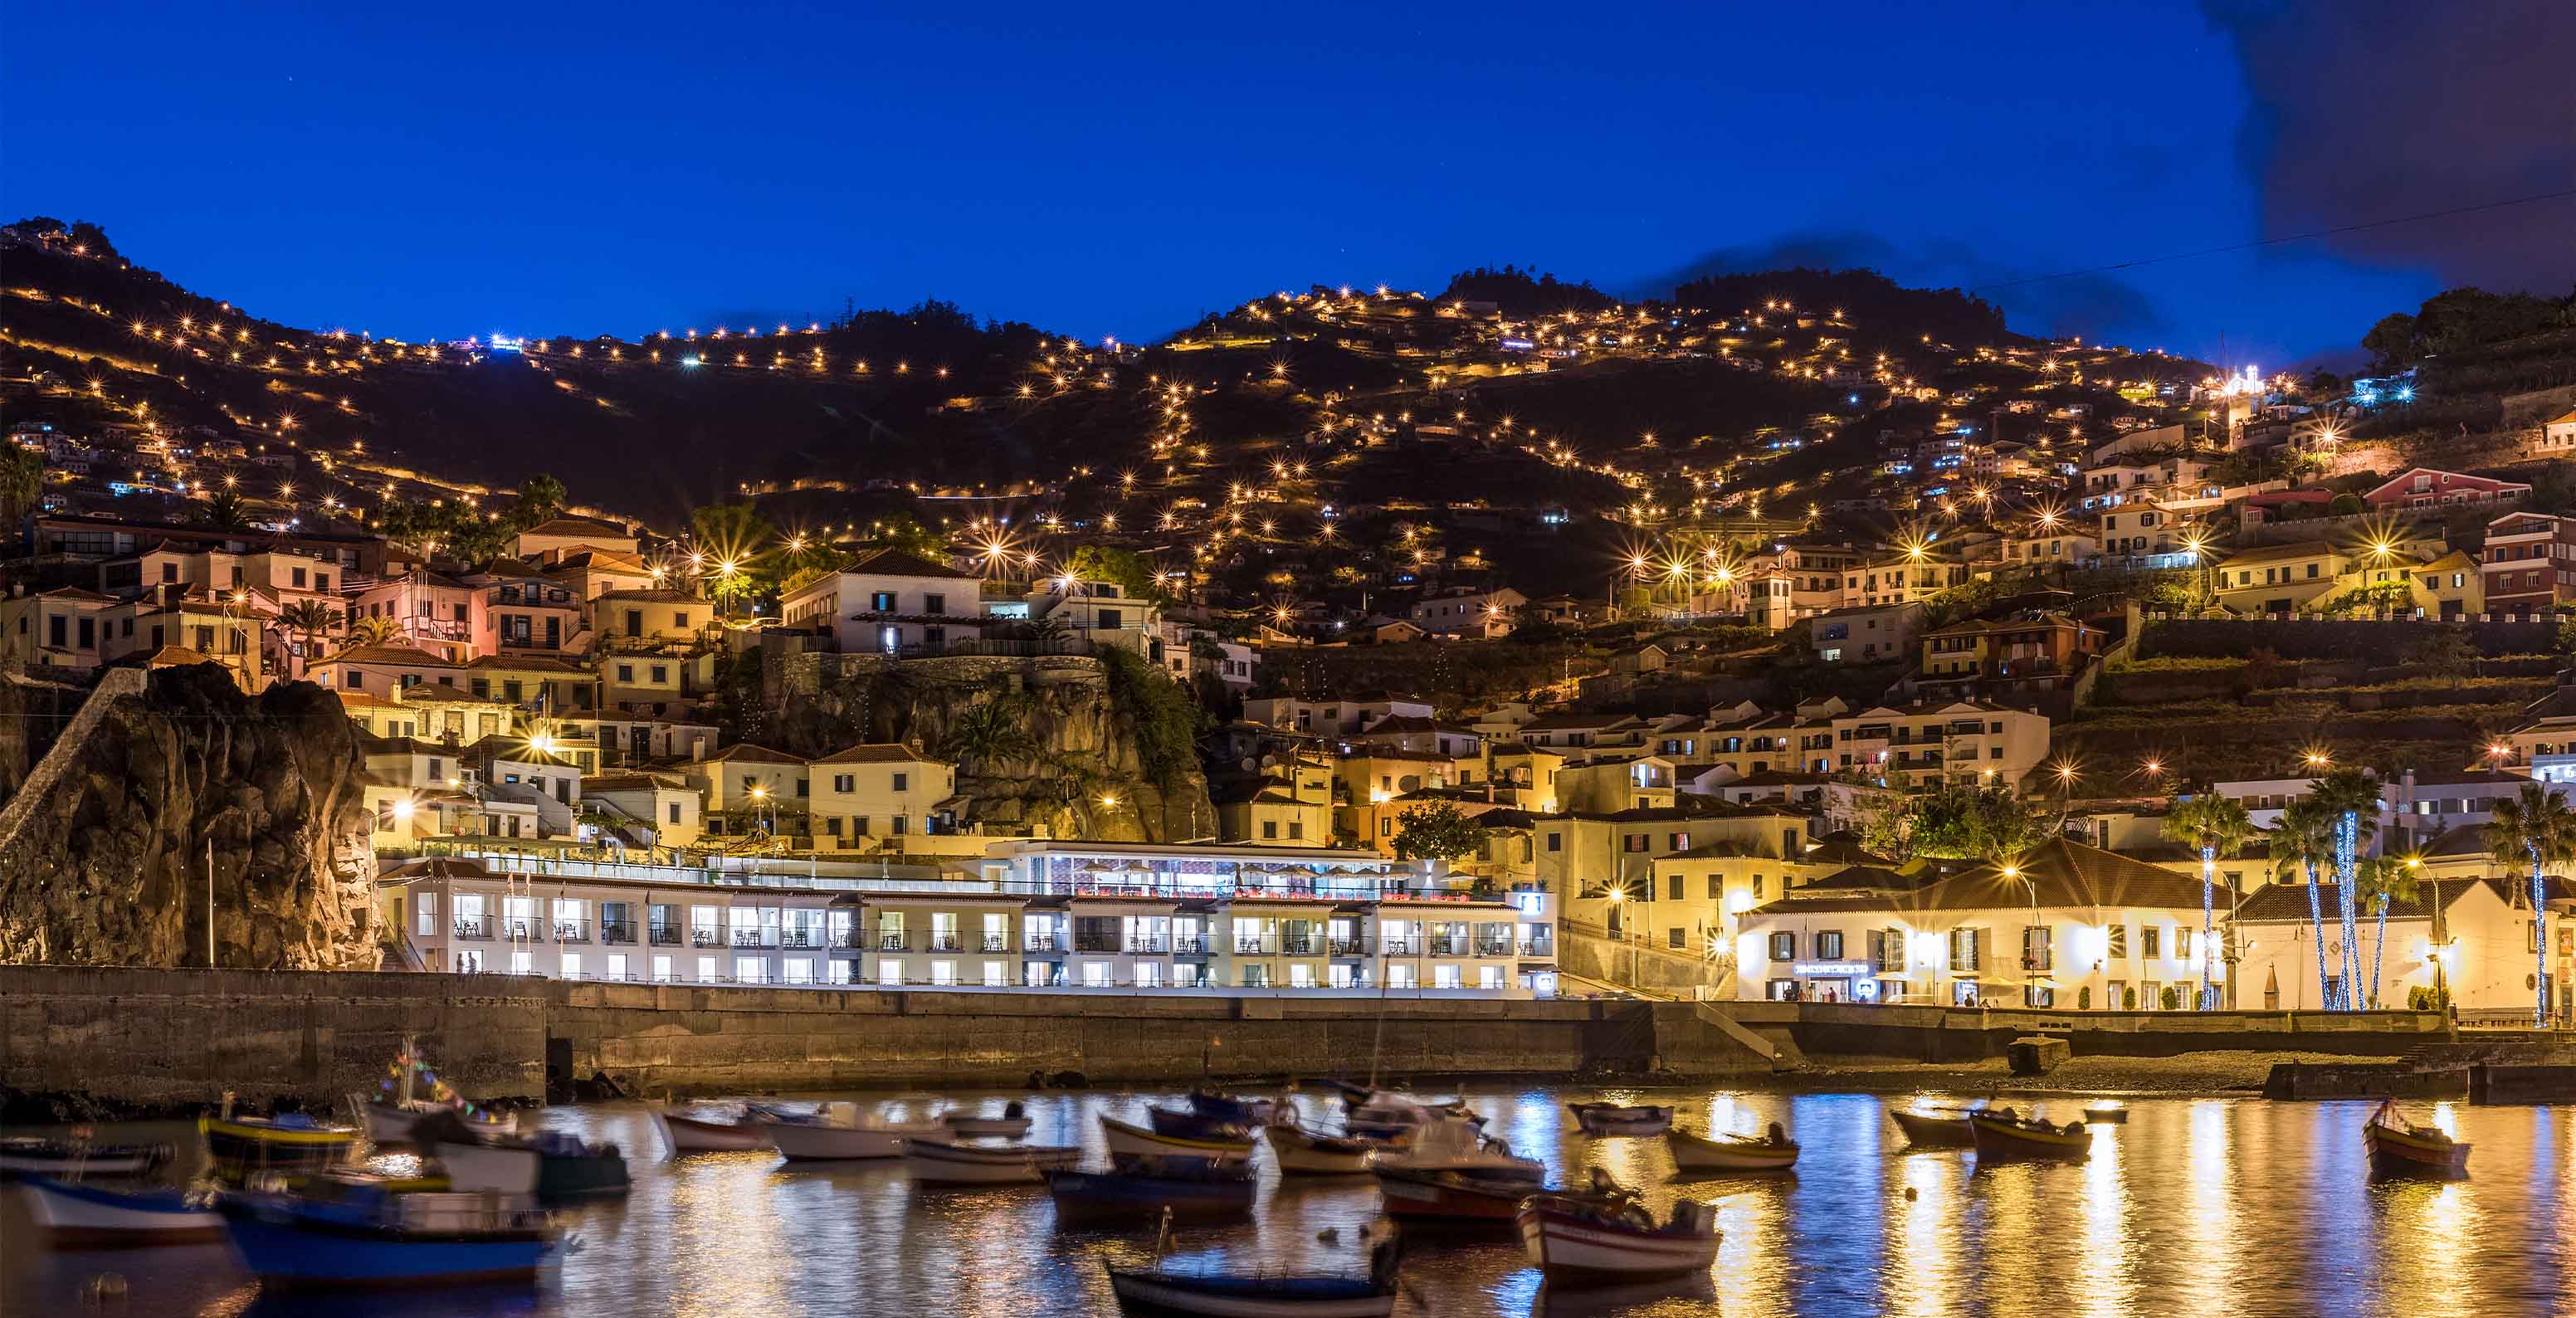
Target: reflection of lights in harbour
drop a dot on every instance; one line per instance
(2106, 1284)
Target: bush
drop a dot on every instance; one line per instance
(2128, 999)
(2172, 999)
(2084, 998)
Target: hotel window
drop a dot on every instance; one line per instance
(468, 963)
(1556, 842)
(1256, 976)
(2115, 941)
(523, 963)
(1716, 887)
(839, 971)
(2150, 940)
(572, 965)
(842, 782)
(750, 970)
(1829, 945)
(800, 970)
(1673, 887)
(1033, 973)
(616, 966)
(901, 781)
(1489, 977)
(1337, 975)
(706, 970)
(943, 973)
(1095, 974)
(1444, 975)
(1673, 936)
(1784, 947)
(1399, 975)
(1149, 974)
(1301, 975)
(997, 974)
(428, 903)
(890, 971)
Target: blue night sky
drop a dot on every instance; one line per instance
(1097, 170)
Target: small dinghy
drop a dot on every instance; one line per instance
(552, 1165)
(1613, 1237)
(933, 1161)
(1219, 1294)
(1380, 1114)
(397, 1115)
(1456, 1145)
(2006, 1134)
(1222, 1106)
(828, 1137)
(2399, 1147)
(73, 1214)
(1449, 1197)
(1186, 1189)
(77, 1157)
(686, 1134)
(1774, 1151)
(1196, 1125)
(352, 1229)
(1302, 1152)
(1611, 1119)
(1011, 1125)
(1126, 1137)
(1934, 1128)
(290, 1144)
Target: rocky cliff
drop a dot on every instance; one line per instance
(105, 862)
(1064, 745)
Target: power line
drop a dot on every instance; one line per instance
(2286, 238)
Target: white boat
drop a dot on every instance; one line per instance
(1570, 1236)
(1011, 1125)
(501, 1169)
(937, 1162)
(685, 1134)
(821, 1138)
(1603, 1119)
(1732, 1153)
(1457, 1145)
(1126, 1137)
(1302, 1152)
(399, 1123)
(1382, 1114)
(69, 1213)
(552, 1165)
(77, 1157)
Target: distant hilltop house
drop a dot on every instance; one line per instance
(557, 536)
(2424, 487)
(1486, 613)
(889, 601)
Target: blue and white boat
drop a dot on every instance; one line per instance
(1221, 1294)
(70, 1213)
(355, 1230)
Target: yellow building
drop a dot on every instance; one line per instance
(2278, 578)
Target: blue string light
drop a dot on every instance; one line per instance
(2347, 838)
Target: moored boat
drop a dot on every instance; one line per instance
(2106, 1114)
(1302, 1152)
(1606, 1119)
(77, 1157)
(1231, 1107)
(73, 1213)
(821, 1139)
(1126, 1137)
(552, 1165)
(2005, 1134)
(1196, 1125)
(1217, 1294)
(1934, 1129)
(1775, 1152)
(933, 1161)
(1453, 1144)
(355, 1230)
(402, 1123)
(2398, 1147)
(289, 1143)
(1578, 1236)
(1380, 1114)
(686, 1134)
(1012, 1124)
(1141, 1188)
(1449, 1196)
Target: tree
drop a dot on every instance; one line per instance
(224, 511)
(2302, 843)
(2391, 342)
(309, 619)
(2384, 881)
(2446, 654)
(2218, 826)
(902, 532)
(541, 496)
(997, 730)
(2534, 823)
(1123, 568)
(374, 631)
(726, 540)
(1958, 821)
(22, 481)
(2350, 799)
(476, 541)
(1436, 831)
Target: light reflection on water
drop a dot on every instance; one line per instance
(2229, 1206)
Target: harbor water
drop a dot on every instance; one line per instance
(2211, 1206)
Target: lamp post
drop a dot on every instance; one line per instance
(2029, 958)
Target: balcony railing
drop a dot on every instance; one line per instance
(1296, 945)
(1149, 946)
(473, 926)
(755, 938)
(1249, 947)
(890, 942)
(617, 931)
(1189, 947)
(946, 943)
(995, 943)
(523, 931)
(1491, 948)
(572, 931)
(1399, 947)
(1040, 943)
(662, 935)
(846, 938)
(1095, 942)
(1348, 947)
(804, 939)
(1537, 947)
(706, 937)
(1447, 945)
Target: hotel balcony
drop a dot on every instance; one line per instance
(1041, 943)
(662, 936)
(755, 938)
(1095, 942)
(946, 943)
(1349, 947)
(1189, 947)
(473, 926)
(572, 931)
(1149, 946)
(617, 931)
(804, 939)
(890, 942)
(706, 937)
(523, 931)
(994, 943)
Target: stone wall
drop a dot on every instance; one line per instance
(1952, 1034)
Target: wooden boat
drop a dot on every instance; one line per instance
(1230, 1107)
(1453, 1197)
(1455, 1145)
(77, 1157)
(1011, 1125)
(1259, 1294)
(1187, 1189)
(1607, 1119)
(70, 1213)
(2106, 1114)
(1126, 1137)
(2399, 1147)
(1731, 1153)
(686, 1134)
(820, 1139)
(355, 1230)
(2005, 1135)
(1941, 1129)
(550, 1165)
(292, 1143)
(1302, 1152)
(1378, 1114)
(400, 1123)
(1193, 1125)
(940, 1162)
(1576, 1236)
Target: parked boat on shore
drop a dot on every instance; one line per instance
(1126, 1137)
(1187, 1189)
(2007, 1134)
(352, 1229)
(76, 1157)
(1577, 1236)
(1602, 1120)
(933, 1161)
(1012, 1124)
(72, 1213)
(2399, 1147)
(1934, 1128)
(684, 1134)
(1222, 1294)
(1774, 1151)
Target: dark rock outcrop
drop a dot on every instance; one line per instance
(108, 863)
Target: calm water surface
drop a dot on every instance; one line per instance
(2196, 1206)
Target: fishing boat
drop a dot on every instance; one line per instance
(1302, 1152)
(1452, 1197)
(686, 1134)
(1126, 1137)
(396, 1116)
(1182, 1188)
(1605, 1119)
(822, 1138)
(1584, 1236)
(1196, 1125)
(352, 1229)
(933, 1161)
(2004, 1134)
(1378, 1114)
(1457, 1146)
(1934, 1128)
(2399, 1147)
(77, 1157)
(1230, 1107)
(1773, 1152)
(288, 1143)
(72, 1213)
(1262, 1294)
(1011, 1125)
(553, 1165)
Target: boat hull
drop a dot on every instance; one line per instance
(1566, 1246)
(933, 1163)
(2400, 1153)
(1302, 1153)
(390, 1124)
(1926, 1130)
(1448, 1197)
(37, 1157)
(1694, 1154)
(283, 1250)
(1007, 1128)
(242, 1147)
(1128, 1138)
(820, 1142)
(697, 1135)
(73, 1214)
(1098, 1195)
(1602, 1120)
(489, 1167)
(1283, 1297)
(1997, 1138)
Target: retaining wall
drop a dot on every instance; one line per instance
(1952, 1034)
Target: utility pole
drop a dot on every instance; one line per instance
(210, 903)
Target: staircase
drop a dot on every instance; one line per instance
(1783, 1052)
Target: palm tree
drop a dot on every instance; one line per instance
(2384, 881)
(374, 631)
(223, 510)
(2534, 823)
(309, 619)
(2350, 799)
(2302, 842)
(2217, 825)
(541, 496)
(22, 480)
